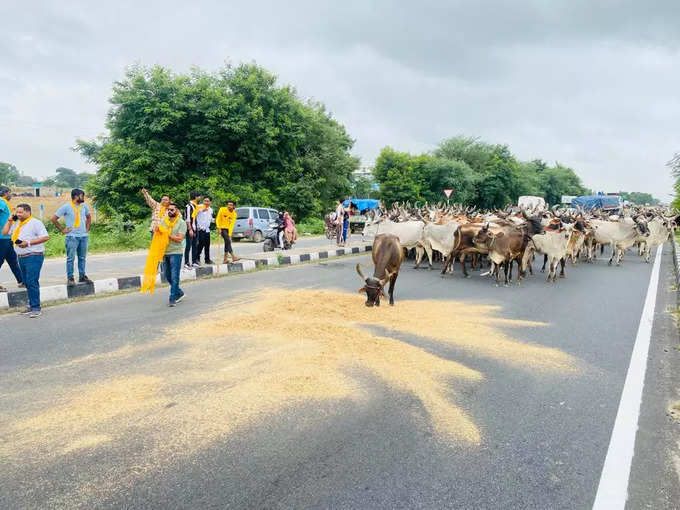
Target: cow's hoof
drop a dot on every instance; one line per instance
(542, 270)
(562, 276)
(415, 267)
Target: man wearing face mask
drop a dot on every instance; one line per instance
(76, 228)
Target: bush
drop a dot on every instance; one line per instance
(111, 236)
(313, 226)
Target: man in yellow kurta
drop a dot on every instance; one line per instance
(225, 221)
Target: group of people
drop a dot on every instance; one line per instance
(23, 238)
(174, 238)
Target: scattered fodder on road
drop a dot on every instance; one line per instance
(238, 366)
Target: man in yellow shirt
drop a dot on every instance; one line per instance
(225, 221)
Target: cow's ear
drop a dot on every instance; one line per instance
(499, 235)
(362, 289)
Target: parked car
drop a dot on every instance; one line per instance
(253, 223)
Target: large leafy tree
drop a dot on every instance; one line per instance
(234, 134)
(8, 173)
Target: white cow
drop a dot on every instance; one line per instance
(410, 234)
(619, 235)
(441, 238)
(553, 244)
(657, 234)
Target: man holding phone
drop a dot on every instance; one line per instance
(29, 235)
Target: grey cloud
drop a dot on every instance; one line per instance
(590, 84)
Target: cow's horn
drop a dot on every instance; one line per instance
(360, 272)
(384, 281)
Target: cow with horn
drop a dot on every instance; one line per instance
(387, 254)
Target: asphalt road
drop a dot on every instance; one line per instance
(112, 265)
(542, 398)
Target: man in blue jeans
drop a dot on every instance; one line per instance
(172, 261)
(76, 227)
(7, 252)
(28, 234)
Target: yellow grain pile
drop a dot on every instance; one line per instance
(234, 367)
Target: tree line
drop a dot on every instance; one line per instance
(481, 174)
(62, 178)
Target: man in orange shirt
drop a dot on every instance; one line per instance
(225, 221)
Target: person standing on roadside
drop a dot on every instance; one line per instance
(7, 252)
(77, 222)
(158, 209)
(226, 219)
(204, 218)
(28, 235)
(191, 249)
(345, 221)
(176, 230)
(339, 217)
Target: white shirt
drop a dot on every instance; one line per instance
(33, 229)
(204, 219)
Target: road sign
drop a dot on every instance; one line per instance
(448, 192)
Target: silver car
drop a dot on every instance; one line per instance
(253, 223)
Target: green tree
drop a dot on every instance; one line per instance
(8, 173)
(25, 180)
(66, 178)
(362, 188)
(560, 180)
(235, 134)
(639, 198)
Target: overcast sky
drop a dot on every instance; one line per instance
(594, 85)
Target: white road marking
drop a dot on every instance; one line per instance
(612, 491)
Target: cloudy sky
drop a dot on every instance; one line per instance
(592, 84)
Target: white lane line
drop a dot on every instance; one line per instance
(612, 492)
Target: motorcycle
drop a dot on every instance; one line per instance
(271, 238)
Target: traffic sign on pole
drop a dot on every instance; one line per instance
(448, 192)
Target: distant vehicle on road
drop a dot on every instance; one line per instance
(363, 210)
(605, 202)
(253, 223)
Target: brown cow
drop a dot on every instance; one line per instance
(503, 247)
(388, 255)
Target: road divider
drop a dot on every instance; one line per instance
(52, 293)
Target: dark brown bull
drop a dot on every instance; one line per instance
(387, 256)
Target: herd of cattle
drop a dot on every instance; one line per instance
(501, 238)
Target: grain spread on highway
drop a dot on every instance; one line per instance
(238, 366)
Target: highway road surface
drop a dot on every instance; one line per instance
(280, 389)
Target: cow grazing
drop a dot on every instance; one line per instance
(388, 255)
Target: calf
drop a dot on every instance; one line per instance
(388, 255)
